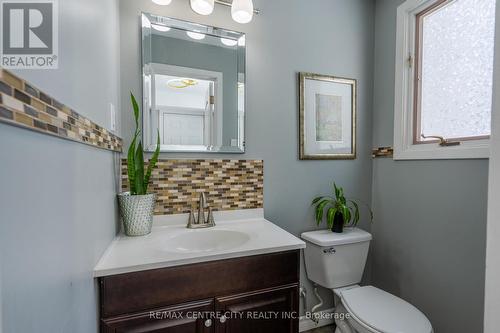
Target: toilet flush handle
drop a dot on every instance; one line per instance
(330, 250)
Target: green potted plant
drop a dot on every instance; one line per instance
(339, 210)
(137, 205)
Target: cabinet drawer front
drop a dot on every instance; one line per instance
(181, 318)
(137, 291)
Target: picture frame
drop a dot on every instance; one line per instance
(327, 117)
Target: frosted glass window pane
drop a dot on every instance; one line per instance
(457, 69)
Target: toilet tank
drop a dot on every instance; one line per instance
(335, 260)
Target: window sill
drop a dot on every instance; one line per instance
(479, 149)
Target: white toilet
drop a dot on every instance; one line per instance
(336, 261)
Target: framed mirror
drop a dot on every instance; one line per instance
(193, 86)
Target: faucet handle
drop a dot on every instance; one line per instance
(202, 200)
(191, 219)
(201, 208)
(210, 220)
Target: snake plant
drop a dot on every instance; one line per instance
(138, 179)
(338, 206)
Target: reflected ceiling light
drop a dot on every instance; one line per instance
(242, 10)
(195, 35)
(182, 83)
(228, 42)
(202, 7)
(162, 2)
(161, 28)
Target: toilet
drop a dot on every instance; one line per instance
(336, 261)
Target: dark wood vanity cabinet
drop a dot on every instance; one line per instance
(265, 311)
(247, 294)
(171, 319)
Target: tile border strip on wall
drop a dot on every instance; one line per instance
(23, 105)
(382, 152)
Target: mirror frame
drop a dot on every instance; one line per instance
(146, 19)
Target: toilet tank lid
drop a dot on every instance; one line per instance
(329, 238)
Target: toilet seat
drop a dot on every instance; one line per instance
(381, 312)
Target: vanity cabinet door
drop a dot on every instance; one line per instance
(272, 310)
(173, 319)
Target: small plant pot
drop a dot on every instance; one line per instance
(136, 212)
(338, 224)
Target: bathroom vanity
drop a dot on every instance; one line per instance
(240, 276)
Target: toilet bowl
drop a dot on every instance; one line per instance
(336, 261)
(372, 310)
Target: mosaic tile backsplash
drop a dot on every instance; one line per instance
(21, 104)
(228, 184)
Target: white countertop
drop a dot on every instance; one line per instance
(249, 232)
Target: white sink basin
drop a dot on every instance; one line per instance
(237, 234)
(195, 241)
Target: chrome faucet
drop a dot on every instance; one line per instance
(201, 221)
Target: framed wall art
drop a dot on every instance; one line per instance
(327, 117)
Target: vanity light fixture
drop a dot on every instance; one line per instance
(195, 35)
(161, 28)
(242, 11)
(228, 42)
(162, 2)
(202, 7)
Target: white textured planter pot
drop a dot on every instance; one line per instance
(137, 213)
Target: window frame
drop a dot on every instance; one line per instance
(406, 106)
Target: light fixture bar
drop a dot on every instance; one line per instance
(228, 4)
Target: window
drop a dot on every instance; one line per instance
(185, 107)
(444, 79)
(185, 110)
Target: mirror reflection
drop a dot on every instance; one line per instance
(194, 86)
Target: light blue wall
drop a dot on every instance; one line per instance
(57, 197)
(430, 216)
(323, 36)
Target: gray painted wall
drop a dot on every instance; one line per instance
(57, 197)
(492, 292)
(425, 249)
(334, 37)
(430, 216)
